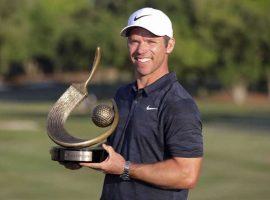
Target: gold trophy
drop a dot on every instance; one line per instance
(73, 149)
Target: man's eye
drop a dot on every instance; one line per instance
(151, 41)
(133, 42)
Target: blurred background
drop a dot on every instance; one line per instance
(222, 57)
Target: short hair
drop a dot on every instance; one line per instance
(165, 37)
(166, 40)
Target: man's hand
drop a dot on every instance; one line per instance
(114, 163)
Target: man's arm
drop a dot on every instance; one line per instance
(174, 173)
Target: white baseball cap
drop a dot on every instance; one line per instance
(150, 19)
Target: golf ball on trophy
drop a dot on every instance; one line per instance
(103, 115)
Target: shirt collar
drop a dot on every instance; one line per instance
(158, 84)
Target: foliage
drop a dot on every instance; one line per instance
(229, 25)
(227, 39)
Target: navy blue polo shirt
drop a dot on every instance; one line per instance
(156, 123)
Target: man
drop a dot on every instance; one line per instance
(156, 151)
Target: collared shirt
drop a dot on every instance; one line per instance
(156, 123)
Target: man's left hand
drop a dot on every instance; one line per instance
(114, 163)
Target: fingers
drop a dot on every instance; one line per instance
(92, 165)
(108, 165)
(108, 148)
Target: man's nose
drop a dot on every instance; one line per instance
(142, 48)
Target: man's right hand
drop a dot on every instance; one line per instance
(71, 165)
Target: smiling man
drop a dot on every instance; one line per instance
(156, 151)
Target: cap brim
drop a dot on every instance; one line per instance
(127, 28)
(124, 30)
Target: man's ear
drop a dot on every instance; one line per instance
(170, 45)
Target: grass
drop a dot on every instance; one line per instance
(236, 163)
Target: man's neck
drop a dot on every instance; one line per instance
(144, 81)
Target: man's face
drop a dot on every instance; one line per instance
(147, 51)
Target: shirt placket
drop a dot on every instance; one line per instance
(127, 128)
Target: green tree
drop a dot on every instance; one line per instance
(13, 32)
(32, 29)
(264, 39)
(227, 38)
(232, 25)
(49, 21)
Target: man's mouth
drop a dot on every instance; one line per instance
(143, 60)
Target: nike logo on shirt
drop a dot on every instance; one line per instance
(150, 108)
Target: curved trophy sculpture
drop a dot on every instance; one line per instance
(73, 148)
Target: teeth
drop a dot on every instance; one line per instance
(143, 59)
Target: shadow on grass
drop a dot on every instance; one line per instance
(259, 121)
(34, 115)
(250, 121)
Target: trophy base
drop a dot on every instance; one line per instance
(94, 155)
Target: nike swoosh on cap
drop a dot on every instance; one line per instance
(136, 18)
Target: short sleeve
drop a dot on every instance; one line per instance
(183, 129)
